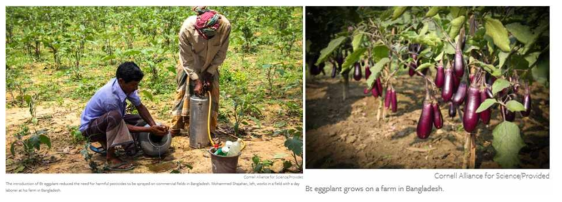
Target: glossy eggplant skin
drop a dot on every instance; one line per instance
(508, 115)
(440, 76)
(387, 98)
(367, 72)
(437, 116)
(459, 96)
(357, 72)
(459, 66)
(452, 110)
(425, 123)
(378, 84)
(470, 117)
(447, 91)
(412, 69)
(375, 92)
(393, 100)
(486, 114)
(527, 103)
(456, 82)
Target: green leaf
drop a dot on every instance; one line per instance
(287, 165)
(332, 46)
(357, 39)
(295, 145)
(175, 172)
(486, 104)
(108, 57)
(538, 32)
(521, 32)
(496, 30)
(432, 11)
(507, 142)
(440, 56)
(457, 11)
(27, 99)
(456, 25)
(45, 140)
(514, 106)
(375, 70)
(424, 29)
(499, 85)
(398, 11)
(147, 94)
(424, 66)
(502, 55)
(532, 57)
(540, 72)
(352, 58)
(380, 52)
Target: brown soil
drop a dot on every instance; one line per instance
(346, 134)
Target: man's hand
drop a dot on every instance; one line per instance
(198, 87)
(207, 81)
(159, 130)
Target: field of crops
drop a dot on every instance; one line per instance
(57, 57)
(428, 87)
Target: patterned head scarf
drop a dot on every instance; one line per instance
(207, 21)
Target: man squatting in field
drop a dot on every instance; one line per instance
(104, 119)
(203, 42)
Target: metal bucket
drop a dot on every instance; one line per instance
(223, 164)
(198, 117)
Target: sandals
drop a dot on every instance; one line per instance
(99, 150)
(118, 167)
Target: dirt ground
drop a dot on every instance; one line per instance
(65, 156)
(346, 134)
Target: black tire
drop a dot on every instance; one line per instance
(153, 145)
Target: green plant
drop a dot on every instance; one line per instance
(294, 143)
(260, 166)
(76, 135)
(31, 145)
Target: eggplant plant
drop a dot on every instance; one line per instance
(489, 53)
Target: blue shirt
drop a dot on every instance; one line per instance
(108, 98)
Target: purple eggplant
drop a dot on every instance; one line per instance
(459, 96)
(440, 76)
(367, 72)
(366, 91)
(437, 116)
(393, 100)
(387, 98)
(452, 110)
(357, 72)
(508, 115)
(456, 82)
(375, 92)
(527, 103)
(484, 115)
(412, 69)
(378, 84)
(447, 91)
(425, 123)
(459, 66)
(470, 117)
